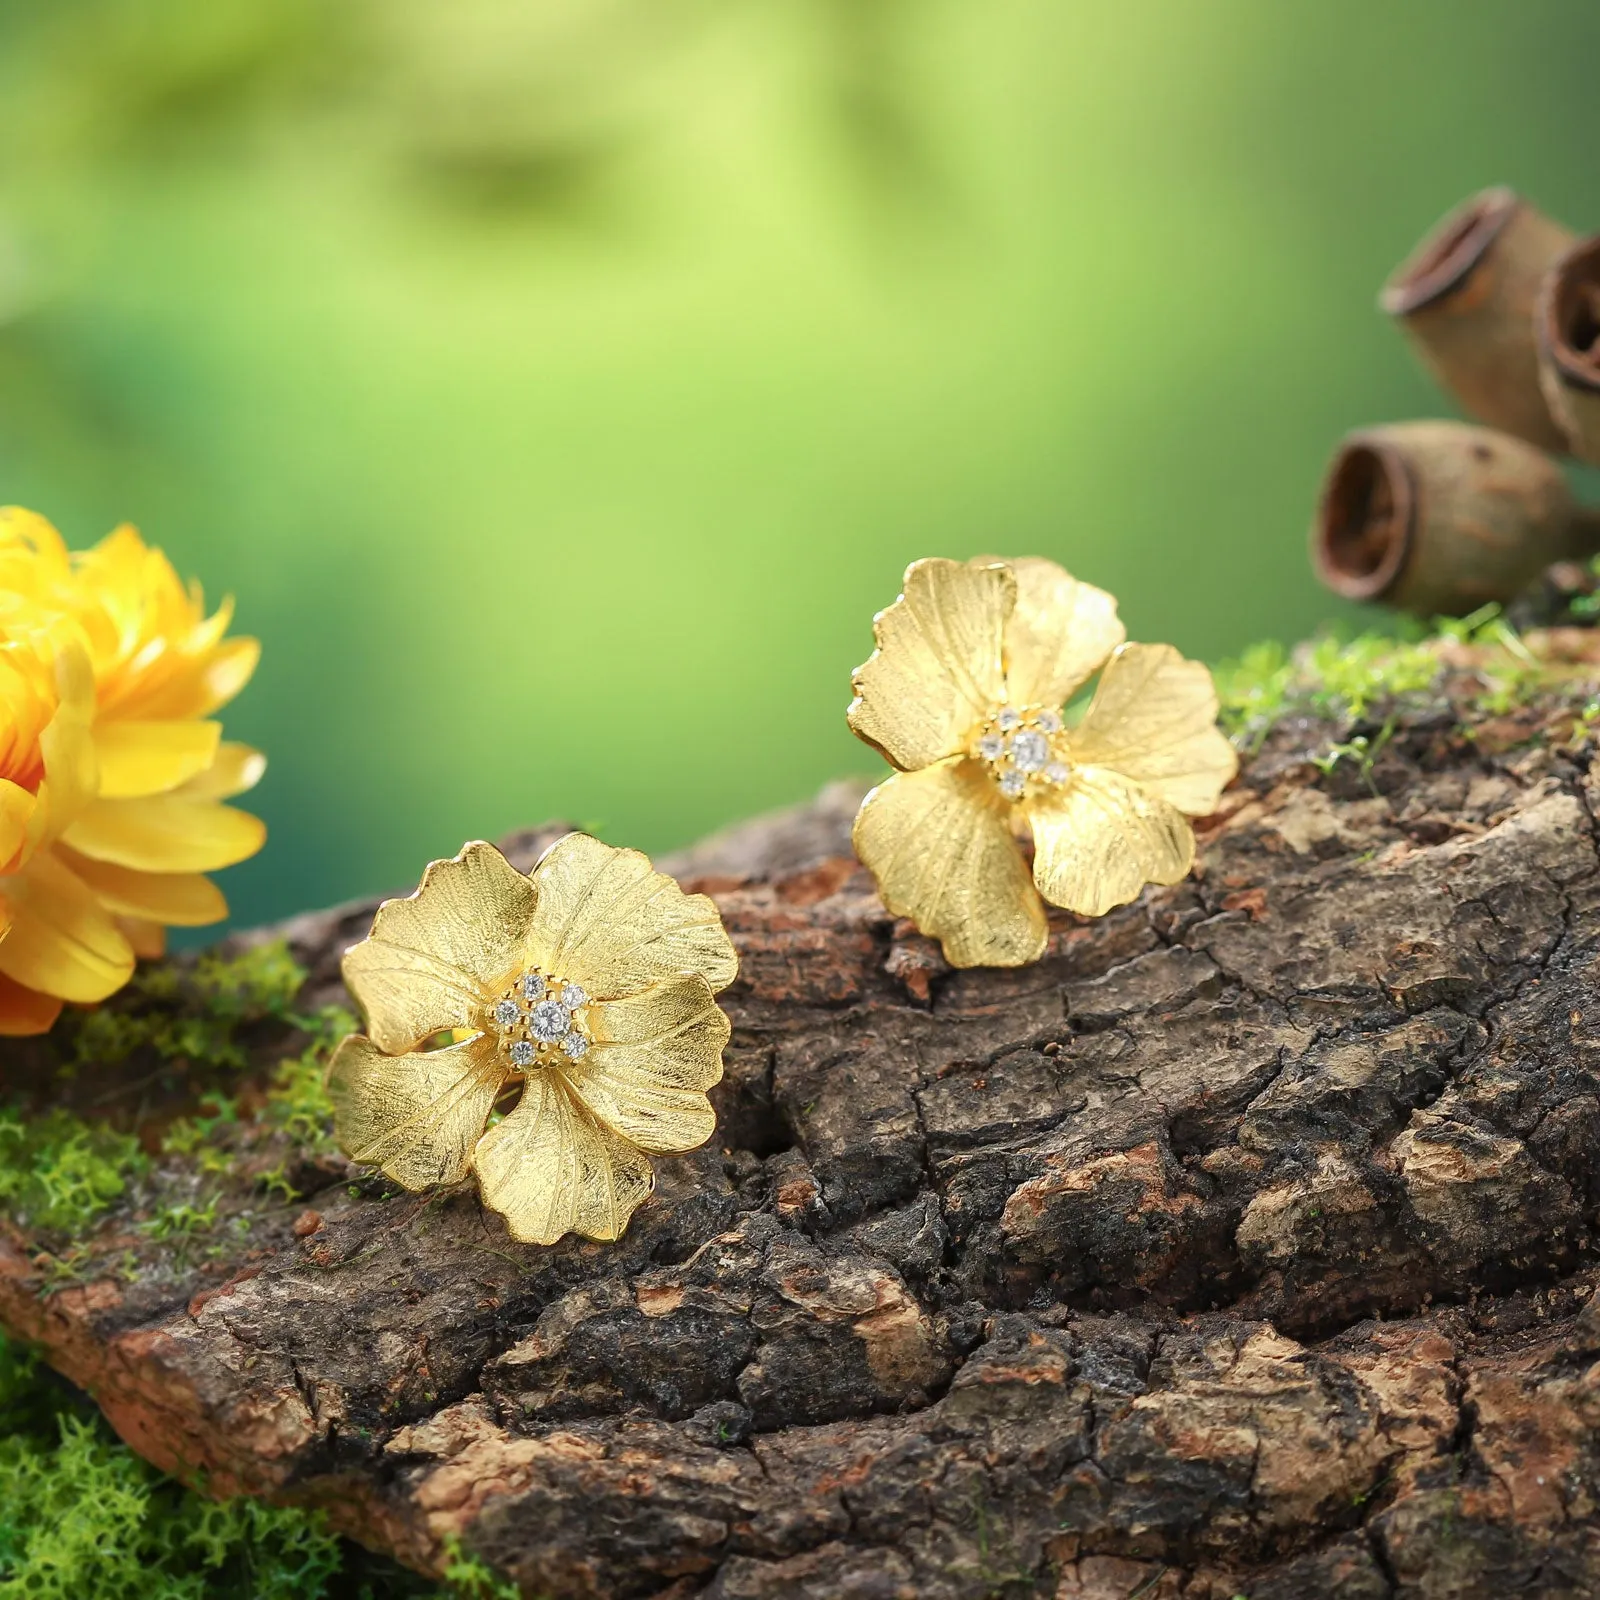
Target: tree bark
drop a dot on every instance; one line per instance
(1242, 1246)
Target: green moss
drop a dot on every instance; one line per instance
(83, 1518)
(202, 1135)
(182, 1220)
(296, 1106)
(193, 1014)
(468, 1577)
(81, 1515)
(297, 1096)
(1345, 678)
(59, 1172)
(1335, 677)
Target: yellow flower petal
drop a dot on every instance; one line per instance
(16, 810)
(26, 533)
(61, 940)
(1154, 719)
(149, 939)
(937, 671)
(166, 833)
(433, 958)
(145, 758)
(1058, 636)
(415, 1116)
(653, 1059)
(1099, 841)
(235, 768)
(25, 1011)
(550, 1168)
(608, 920)
(178, 899)
(227, 672)
(939, 843)
(67, 746)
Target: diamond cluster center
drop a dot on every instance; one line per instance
(540, 1020)
(1019, 746)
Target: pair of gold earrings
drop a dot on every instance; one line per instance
(591, 981)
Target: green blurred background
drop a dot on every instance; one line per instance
(560, 385)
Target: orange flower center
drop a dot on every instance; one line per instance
(1020, 745)
(540, 1021)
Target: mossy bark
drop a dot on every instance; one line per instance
(1245, 1245)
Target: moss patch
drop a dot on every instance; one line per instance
(191, 1013)
(1349, 679)
(60, 1173)
(81, 1515)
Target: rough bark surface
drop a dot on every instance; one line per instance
(1243, 1246)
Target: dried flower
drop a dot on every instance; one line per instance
(110, 767)
(965, 695)
(588, 984)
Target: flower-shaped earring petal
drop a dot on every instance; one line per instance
(589, 983)
(964, 694)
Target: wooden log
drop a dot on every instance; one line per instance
(1243, 1246)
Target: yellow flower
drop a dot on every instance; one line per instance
(964, 694)
(586, 984)
(111, 768)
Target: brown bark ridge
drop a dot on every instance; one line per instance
(1243, 1246)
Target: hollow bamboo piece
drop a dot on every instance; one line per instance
(1439, 518)
(1568, 330)
(1466, 298)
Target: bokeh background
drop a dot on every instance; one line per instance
(560, 385)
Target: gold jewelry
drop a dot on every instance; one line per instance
(588, 983)
(965, 695)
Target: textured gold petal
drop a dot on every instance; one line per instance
(433, 958)
(551, 1169)
(1154, 719)
(1102, 839)
(937, 671)
(939, 843)
(1059, 635)
(653, 1059)
(415, 1116)
(608, 920)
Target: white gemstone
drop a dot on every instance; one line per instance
(506, 1014)
(991, 747)
(1030, 750)
(575, 1044)
(533, 985)
(1058, 772)
(521, 1053)
(1049, 721)
(549, 1022)
(1012, 783)
(572, 997)
(1009, 719)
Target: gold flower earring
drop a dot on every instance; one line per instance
(588, 983)
(965, 695)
